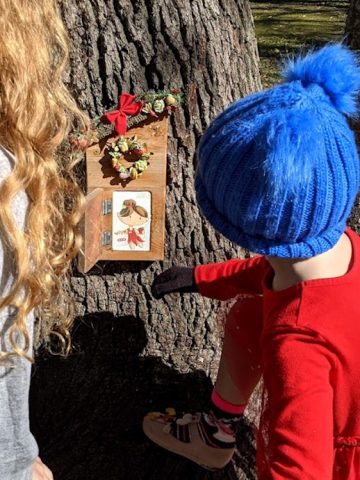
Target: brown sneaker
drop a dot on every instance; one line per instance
(188, 441)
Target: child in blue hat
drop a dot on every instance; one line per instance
(278, 173)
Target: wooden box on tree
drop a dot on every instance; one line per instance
(125, 215)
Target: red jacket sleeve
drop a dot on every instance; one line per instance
(297, 371)
(227, 279)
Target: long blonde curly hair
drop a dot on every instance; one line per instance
(36, 114)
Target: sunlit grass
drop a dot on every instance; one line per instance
(284, 28)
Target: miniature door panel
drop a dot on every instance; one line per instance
(92, 230)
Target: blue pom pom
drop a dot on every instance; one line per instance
(335, 69)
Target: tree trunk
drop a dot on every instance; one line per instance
(353, 24)
(352, 31)
(136, 354)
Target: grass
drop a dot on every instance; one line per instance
(284, 28)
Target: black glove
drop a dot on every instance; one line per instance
(175, 279)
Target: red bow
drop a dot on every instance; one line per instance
(127, 107)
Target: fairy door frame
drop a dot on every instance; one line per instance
(103, 181)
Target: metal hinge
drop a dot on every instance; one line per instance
(106, 238)
(107, 207)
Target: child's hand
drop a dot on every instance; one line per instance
(175, 279)
(40, 471)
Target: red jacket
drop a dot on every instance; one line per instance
(310, 347)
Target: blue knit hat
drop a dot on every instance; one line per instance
(278, 171)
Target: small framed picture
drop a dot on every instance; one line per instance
(131, 221)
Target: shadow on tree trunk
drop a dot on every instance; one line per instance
(86, 411)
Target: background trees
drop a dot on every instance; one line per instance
(353, 24)
(352, 32)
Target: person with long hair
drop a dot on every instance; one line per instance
(40, 207)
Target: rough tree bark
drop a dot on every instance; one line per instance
(134, 353)
(352, 31)
(353, 24)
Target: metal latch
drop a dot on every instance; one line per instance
(107, 207)
(106, 238)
